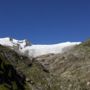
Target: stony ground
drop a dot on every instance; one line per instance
(67, 71)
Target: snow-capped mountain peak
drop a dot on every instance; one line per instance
(10, 42)
(25, 47)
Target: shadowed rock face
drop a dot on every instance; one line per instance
(67, 71)
(9, 78)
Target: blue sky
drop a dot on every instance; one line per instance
(45, 21)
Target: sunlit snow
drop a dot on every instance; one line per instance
(37, 50)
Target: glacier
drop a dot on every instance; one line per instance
(25, 47)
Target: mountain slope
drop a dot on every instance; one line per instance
(64, 71)
(33, 74)
(71, 70)
(10, 79)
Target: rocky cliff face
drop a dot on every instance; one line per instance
(10, 79)
(66, 71)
